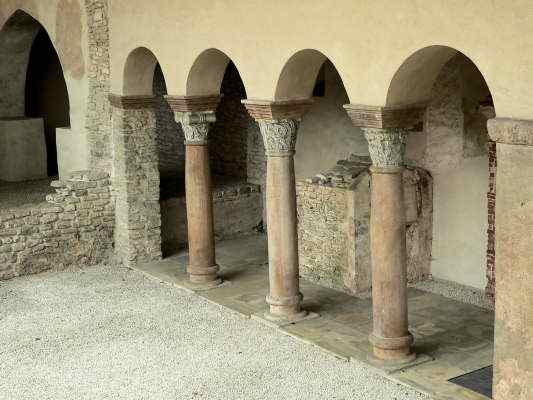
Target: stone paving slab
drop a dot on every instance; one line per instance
(458, 337)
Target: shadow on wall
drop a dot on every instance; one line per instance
(46, 94)
(326, 133)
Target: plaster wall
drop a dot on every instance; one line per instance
(66, 23)
(367, 42)
(326, 134)
(452, 148)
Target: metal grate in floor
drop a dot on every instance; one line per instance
(479, 381)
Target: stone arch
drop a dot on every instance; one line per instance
(207, 72)
(26, 90)
(454, 147)
(139, 72)
(299, 74)
(414, 80)
(16, 39)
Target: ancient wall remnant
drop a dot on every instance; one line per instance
(74, 226)
(136, 181)
(98, 117)
(334, 219)
(237, 212)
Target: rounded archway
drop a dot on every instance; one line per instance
(34, 99)
(454, 147)
(207, 73)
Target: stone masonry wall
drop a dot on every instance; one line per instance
(170, 137)
(73, 227)
(98, 119)
(334, 220)
(237, 212)
(136, 186)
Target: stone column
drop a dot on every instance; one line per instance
(279, 125)
(390, 337)
(196, 114)
(513, 328)
(385, 129)
(136, 180)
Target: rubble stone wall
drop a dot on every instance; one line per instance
(334, 221)
(98, 118)
(74, 226)
(136, 186)
(237, 211)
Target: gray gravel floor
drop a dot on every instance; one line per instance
(111, 333)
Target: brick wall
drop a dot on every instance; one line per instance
(73, 226)
(491, 231)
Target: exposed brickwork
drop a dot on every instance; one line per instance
(73, 226)
(136, 185)
(491, 231)
(98, 119)
(170, 137)
(334, 223)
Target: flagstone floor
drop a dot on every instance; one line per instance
(452, 338)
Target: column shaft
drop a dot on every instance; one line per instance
(202, 264)
(284, 295)
(390, 338)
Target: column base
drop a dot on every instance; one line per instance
(392, 351)
(204, 278)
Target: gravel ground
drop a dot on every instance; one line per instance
(111, 333)
(456, 291)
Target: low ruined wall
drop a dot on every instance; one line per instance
(237, 210)
(74, 226)
(334, 229)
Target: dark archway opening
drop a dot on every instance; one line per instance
(46, 94)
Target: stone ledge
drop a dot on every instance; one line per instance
(276, 110)
(511, 131)
(132, 102)
(193, 103)
(386, 117)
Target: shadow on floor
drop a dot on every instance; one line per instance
(458, 336)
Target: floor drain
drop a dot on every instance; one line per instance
(479, 381)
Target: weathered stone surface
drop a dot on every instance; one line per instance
(513, 372)
(237, 212)
(386, 146)
(136, 186)
(333, 226)
(98, 118)
(53, 235)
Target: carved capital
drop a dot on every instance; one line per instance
(386, 146)
(196, 125)
(279, 136)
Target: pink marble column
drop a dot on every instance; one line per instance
(196, 114)
(279, 125)
(390, 337)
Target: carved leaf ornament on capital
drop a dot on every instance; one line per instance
(386, 146)
(279, 136)
(196, 126)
